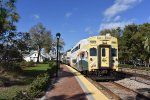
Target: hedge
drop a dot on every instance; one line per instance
(38, 87)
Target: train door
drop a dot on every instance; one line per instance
(104, 56)
(83, 63)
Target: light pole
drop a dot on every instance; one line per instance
(57, 36)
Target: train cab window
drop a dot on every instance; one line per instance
(93, 52)
(103, 52)
(114, 52)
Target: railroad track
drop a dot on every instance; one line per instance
(104, 90)
(135, 72)
(137, 77)
(141, 80)
(123, 92)
(116, 91)
(140, 88)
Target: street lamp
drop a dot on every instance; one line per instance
(57, 36)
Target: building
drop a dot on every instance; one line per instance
(33, 56)
(53, 54)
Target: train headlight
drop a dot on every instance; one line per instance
(113, 61)
(93, 66)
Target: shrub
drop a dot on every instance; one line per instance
(30, 64)
(51, 71)
(11, 66)
(27, 64)
(38, 86)
(52, 68)
(36, 89)
(1, 83)
(52, 63)
(15, 68)
(2, 65)
(23, 63)
(125, 65)
(132, 66)
(22, 95)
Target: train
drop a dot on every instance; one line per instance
(96, 54)
(66, 57)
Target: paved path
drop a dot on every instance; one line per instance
(72, 85)
(92, 93)
(66, 87)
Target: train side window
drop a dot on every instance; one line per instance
(114, 52)
(103, 52)
(79, 46)
(93, 52)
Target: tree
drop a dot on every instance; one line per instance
(22, 42)
(133, 43)
(144, 30)
(128, 41)
(113, 32)
(60, 45)
(8, 19)
(40, 38)
(135, 38)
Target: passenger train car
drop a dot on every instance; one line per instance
(95, 53)
(66, 57)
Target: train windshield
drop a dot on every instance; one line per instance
(103, 52)
(114, 52)
(93, 52)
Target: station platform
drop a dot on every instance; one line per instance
(71, 85)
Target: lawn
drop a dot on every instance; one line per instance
(40, 67)
(34, 71)
(29, 75)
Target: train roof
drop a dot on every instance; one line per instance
(86, 40)
(107, 35)
(68, 50)
(81, 41)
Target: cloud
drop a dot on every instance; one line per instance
(88, 30)
(36, 16)
(114, 25)
(68, 14)
(118, 7)
(117, 18)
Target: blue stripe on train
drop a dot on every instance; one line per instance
(82, 65)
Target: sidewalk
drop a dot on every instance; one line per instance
(66, 87)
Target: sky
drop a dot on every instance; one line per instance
(80, 19)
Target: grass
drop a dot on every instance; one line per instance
(34, 71)
(9, 92)
(29, 75)
(41, 67)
